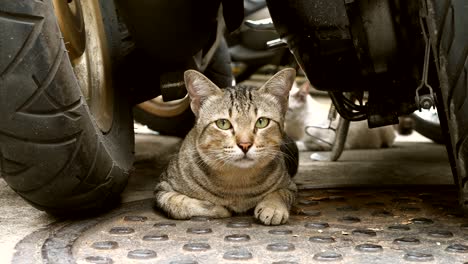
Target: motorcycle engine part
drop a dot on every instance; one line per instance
(347, 108)
(53, 151)
(348, 46)
(170, 32)
(172, 86)
(233, 13)
(355, 40)
(374, 34)
(381, 111)
(446, 21)
(318, 34)
(257, 31)
(249, 47)
(378, 119)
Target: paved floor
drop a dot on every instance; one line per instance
(406, 164)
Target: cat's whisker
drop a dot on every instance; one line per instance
(279, 154)
(220, 161)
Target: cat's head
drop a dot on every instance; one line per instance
(241, 126)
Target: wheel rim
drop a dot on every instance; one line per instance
(158, 107)
(83, 30)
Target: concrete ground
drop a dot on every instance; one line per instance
(406, 163)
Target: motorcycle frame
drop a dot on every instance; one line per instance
(357, 46)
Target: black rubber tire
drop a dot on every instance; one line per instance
(51, 151)
(219, 71)
(448, 28)
(177, 126)
(428, 129)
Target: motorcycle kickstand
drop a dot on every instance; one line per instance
(338, 144)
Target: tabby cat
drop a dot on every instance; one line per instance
(231, 161)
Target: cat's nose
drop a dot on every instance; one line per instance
(245, 146)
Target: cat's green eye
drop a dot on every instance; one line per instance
(223, 124)
(262, 122)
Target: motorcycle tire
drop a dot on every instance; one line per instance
(52, 152)
(218, 71)
(447, 24)
(428, 129)
(177, 126)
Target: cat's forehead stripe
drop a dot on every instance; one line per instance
(241, 98)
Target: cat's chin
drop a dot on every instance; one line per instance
(244, 163)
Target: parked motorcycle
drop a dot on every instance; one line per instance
(406, 55)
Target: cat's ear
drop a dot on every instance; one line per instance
(305, 88)
(302, 92)
(199, 88)
(280, 84)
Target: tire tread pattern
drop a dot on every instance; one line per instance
(51, 151)
(448, 23)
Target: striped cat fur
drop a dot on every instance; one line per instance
(221, 171)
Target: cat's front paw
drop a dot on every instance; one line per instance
(271, 213)
(180, 206)
(212, 210)
(195, 207)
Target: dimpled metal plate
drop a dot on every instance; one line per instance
(348, 226)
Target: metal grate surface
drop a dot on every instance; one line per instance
(342, 226)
